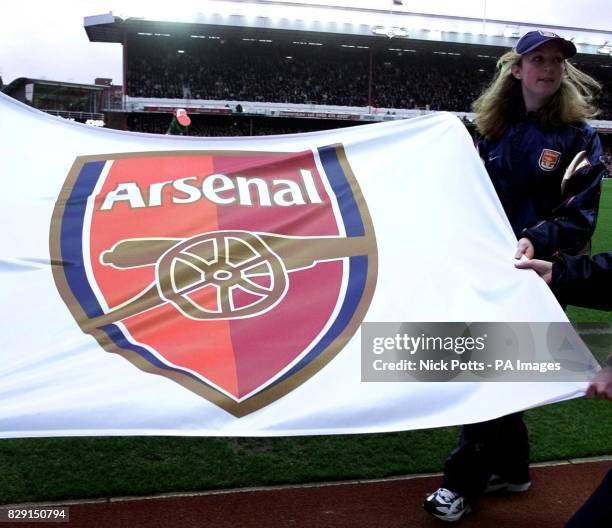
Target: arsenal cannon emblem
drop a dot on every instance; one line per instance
(239, 275)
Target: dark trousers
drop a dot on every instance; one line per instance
(499, 447)
(596, 512)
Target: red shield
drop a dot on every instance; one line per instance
(237, 274)
(549, 159)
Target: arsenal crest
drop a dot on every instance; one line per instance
(549, 159)
(238, 275)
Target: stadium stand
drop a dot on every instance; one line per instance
(79, 102)
(235, 70)
(241, 72)
(320, 76)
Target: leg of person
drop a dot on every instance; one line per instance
(596, 512)
(466, 472)
(511, 457)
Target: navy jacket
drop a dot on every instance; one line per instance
(583, 281)
(527, 165)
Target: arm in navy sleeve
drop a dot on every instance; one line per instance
(573, 222)
(583, 281)
(482, 147)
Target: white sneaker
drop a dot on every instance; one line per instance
(446, 505)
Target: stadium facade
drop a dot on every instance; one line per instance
(75, 101)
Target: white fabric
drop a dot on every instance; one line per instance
(445, 253)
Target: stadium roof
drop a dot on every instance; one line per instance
(104, 28)
(343, 22)
(20, 81)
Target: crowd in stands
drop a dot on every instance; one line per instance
(429, 81)
(305, 73)
(607, 156)
(241, 73)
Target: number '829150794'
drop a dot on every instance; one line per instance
(34, 514)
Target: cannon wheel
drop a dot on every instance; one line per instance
(226, 263)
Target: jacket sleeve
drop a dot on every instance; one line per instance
(573, 221)
(482, 147)
(583, 281)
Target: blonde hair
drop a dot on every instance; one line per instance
(502, 99)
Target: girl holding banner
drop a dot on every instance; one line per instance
(546, 164)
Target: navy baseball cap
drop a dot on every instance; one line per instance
(534, 39)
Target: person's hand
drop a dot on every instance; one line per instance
(601, 385)
(524, 247)
(542, 267)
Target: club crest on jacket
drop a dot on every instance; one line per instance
(549, 159)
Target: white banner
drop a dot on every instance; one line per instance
(215, 286)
